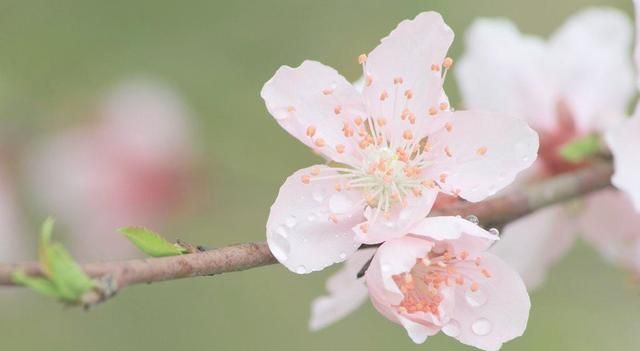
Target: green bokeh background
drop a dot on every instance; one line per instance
(217, 55)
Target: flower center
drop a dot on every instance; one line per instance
(422, 286)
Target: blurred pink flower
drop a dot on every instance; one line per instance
(130, 167)
(578, 83)
(440, 278)
(393, 147)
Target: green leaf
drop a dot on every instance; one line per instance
(151, 243)
(580, 149)
(41, 285)
(64, 277)
(66, 274)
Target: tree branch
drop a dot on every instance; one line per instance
(493, 212)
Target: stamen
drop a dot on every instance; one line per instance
(311, 131)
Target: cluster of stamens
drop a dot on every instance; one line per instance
(422, 285)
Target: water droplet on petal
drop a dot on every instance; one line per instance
(451, 329)
(290, 222)
(494, 231)
(481, 327)
(318, 196)
(279, 245)
(339, 203)
(343, 255)
(475, 298)
(282, 232)
(473, 219)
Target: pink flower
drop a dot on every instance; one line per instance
(130, 166)
(577, 83)
(440, 278)
(390, 148)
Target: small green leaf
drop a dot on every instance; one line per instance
(40, 285)
(151, 243)
(580, 149)
(66, 274)
(64, 279)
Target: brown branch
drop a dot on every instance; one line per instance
(494, 212)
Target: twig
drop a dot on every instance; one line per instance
(493, 212)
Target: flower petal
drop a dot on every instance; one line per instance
(309, 226)
(533, 244)
(625, 143)
(346, 292)
(399, 73)
(505, 71)
(610, 223)
(592, 50)
(452, 228)
(397, 222)
(313, 102)
(394, 257)
(475, 154)
(497, 312)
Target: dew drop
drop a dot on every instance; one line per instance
(475, 298)
(318, 196)
(473, 219)
(451, 329)
(339, 203)
(279, 245)
(494, 231)
(282, 232)
(301, 270)
(481, 327)
(290, 222)
(342, 256)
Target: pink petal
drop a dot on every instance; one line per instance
(309, 226)
(312, 102)
(533, 244)
(505, 71)
(591, 51)
(346, 292)
(393, 257)
(496, 313)
(418, 332)
(463, 234)
(475, 154)
(402, 62)
(610, 223)
(397, 222)
(625, 143)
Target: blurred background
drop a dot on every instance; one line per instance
(73, 72)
